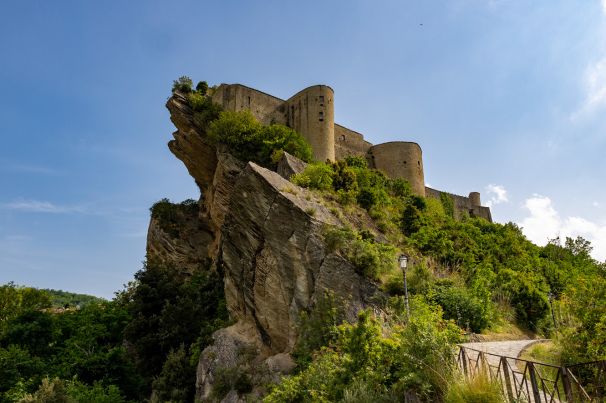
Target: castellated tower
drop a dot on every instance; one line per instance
(474, 198)
(400, 159)
(311, 112)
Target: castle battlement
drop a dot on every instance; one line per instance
(311, 113)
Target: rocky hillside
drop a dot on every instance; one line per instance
(265, 235)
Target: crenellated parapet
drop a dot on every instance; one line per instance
(311, 113)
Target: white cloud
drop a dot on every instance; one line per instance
(595, 89)
(545, 223)
(604, 6)
(36, 206)
(497, 194)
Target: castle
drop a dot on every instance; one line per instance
(310, 112)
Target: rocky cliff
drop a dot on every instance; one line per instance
(266, 235)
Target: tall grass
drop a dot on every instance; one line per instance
(477, 389)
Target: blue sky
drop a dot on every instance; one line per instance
(505, 97)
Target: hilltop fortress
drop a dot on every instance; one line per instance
(311, 113)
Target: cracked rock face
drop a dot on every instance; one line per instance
(266, 235)
(184, 248)
(275, 259)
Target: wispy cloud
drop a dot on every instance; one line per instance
(37, 206)
(604, 6)
(29, 169)
(594, 89)
(497, 193)
(544, 223)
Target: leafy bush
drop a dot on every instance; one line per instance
(171, 216)
(183, 84)
(249, 140)
(370, 258)
(318, 328)
(368, 361)
(169, 309)
(315, 176)
(202, 87)
(227, 379)
(460, 305)
(176, 382)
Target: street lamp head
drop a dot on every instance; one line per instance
(403, 259)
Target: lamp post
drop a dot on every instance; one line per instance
(403, 260)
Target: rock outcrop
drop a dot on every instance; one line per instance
(266, 235)
(289, 165)
(182, 245)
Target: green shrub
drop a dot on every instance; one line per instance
(183, 84)
(249, 140)
(176, 382)
(227, 379)
(370, 258)
(202, 87)
(458, 304)
(171, 216)
(374, 360)
(315, 176)
(448, 204)
(318, 327)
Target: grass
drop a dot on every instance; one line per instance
(546, 352)
(478, 389)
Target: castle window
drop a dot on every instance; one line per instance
(321, 99)
(419, 163)
(342, 137)
(404, 162)
(321, 116)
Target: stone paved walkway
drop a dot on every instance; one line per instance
(509, 348)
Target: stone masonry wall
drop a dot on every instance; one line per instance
(349, 143)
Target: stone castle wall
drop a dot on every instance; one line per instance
(470, 205)
(400, 159)
(311, 113)
(349, 143)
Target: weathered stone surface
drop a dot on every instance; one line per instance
(189, 144)
(290, 165)
(186, 249)
(275, 259)
(224, 353)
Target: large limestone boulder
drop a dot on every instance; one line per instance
(275, 259)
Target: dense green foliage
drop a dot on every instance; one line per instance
(374, 361)
(249, 140)
(171, 216)
(64, 299)
(492, 267)
(369, 257)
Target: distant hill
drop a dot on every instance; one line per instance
(61, 299)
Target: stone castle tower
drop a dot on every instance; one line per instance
(311, 113)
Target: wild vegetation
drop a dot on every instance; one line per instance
(465, 275)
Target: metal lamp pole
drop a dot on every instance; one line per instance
(403, 260)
